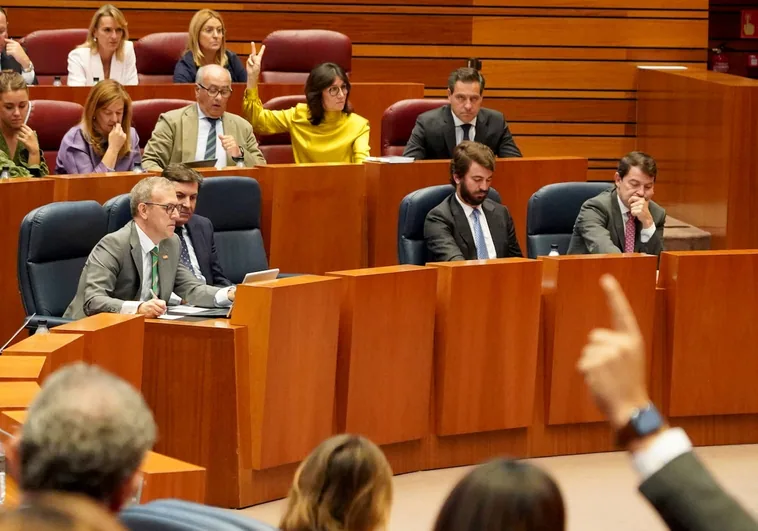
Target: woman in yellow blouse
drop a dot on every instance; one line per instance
(322, 130)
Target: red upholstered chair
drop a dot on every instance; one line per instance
(157, 55)
(52, 119)
(292, 54)
(145, 115)
(398, 121)
(277, 149)
(48, 50)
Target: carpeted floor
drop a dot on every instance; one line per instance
(600, 490)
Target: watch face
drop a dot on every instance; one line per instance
(648, 421)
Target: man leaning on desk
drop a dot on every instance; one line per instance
(136, 268)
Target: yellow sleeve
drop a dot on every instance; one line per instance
(361, 147)
(264, 121)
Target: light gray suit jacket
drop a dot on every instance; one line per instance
(113, 274)
(599, 228)
(174, 139)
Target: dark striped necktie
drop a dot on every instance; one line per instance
(210, 145)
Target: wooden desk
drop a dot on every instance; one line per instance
(56, 349)
(384, 368)
(95, 186)
(249, 397)
(368, 99)
(515, 179)
(21, 367)
(18, 197)
(700, 126)
(574, 304)
(112, 341)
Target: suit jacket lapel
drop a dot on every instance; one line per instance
(166, 271)
(481, 129)
(228, 130)
(449, 131)
(495, 225)
(137, 257)
(464, 230)
(189, 133)
(198, 244)
(618, 220)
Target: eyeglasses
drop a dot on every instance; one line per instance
(215, 91)
(335, 90)
(169, 208)
(212, 31)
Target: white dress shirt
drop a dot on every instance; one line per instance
(645, 234)
(203, 129)
(28, 77)
(84, 66)
(468, 210)
(667, 446)
(459, 130)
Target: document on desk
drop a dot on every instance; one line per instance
(186, 309)
(170, 317)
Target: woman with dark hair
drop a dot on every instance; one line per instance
(325, 129)
(501, 495)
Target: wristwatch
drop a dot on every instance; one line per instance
(29, 68)
(241, 157)
(643, 422)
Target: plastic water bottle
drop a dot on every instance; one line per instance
(42, 327)
(57, 81)
(2, 474)
(6, 173)
(554, 250)
(138, 168)
(96, 80)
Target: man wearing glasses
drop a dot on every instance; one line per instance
(203, 131)
(136, 268)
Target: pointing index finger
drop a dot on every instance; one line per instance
(621, 312)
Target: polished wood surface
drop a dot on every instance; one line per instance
(574, 304)
(96, 186)
(18, 197)
(386, 345)
(55, 349)
(21, 367)
(485, 349)
(515, 179)
(710, 307)
(112, 341)
(17, 395)
(368, 99)
(701, 127)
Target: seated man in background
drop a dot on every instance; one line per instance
(198, 248)
(136, 268)
(18, 143)
(13, 56)
(87, 433)
(438, 131)
(467, 225)
(622, 219)
(204, 130)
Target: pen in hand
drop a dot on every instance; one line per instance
(154, 296)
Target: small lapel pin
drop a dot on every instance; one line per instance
(165, 257)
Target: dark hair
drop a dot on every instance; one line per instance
(181, 173)
(638, 159)
(503, 494)
(465, 75)
(319, 79)
(2, 12)
(467, 152)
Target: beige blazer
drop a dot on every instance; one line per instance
(174, 139)
(113, 274)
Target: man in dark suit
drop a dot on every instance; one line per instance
(438, 131)
(467, 225)
(622, 219)
(674, 480)
(195, 232)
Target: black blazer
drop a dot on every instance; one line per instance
(448, 234)
(186, 69)
(201, 233)
(9, 63)
(433, 136)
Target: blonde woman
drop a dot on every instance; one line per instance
(207, 46)
(345, 484)
(104, 141)
(107, 53)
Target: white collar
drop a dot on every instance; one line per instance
(622, 206)
(145, 241)
(202, 115)
(458, 122)
(467, 209)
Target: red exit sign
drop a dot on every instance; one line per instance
(749, 25)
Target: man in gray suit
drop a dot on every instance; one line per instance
(622, 219)
(136, 268)
(203, 130)
(467, 225)
(438, 131)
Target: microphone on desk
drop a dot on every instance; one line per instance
(28, 320)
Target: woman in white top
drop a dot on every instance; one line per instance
(107, 53)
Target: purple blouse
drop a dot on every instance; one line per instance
(76, 156)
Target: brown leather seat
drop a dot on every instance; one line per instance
(52, 119)
(145, 115)
(292, 54)
(277, 149)
(157, 55)
(48, 50)
(398, 121)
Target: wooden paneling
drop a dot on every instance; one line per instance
(57, 349)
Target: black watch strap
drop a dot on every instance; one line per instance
(643, 422)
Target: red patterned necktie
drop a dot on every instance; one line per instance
(629, 233)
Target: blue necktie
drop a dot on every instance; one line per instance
(184, 256)
(481, 247)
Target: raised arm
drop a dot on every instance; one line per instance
(264, 121)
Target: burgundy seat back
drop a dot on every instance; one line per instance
(48, 50)
(157, 55)
(145, 115)
(398, 121)
(292, 54)
(52, 119)
(277, 149)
